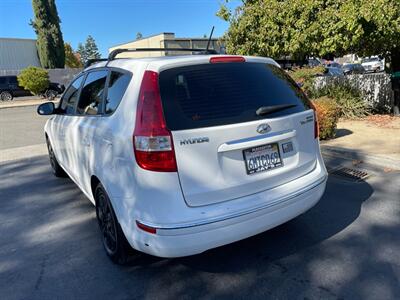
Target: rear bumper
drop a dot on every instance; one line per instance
(175, 240)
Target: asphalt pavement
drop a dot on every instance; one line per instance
(21, 126)
(346, 247)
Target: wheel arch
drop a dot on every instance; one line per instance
(94, 181)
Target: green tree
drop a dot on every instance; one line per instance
(50, 42)
(91, 50)
(82, 53)
(139, 35)
(71, 60)
(300, 28)
(33, 79)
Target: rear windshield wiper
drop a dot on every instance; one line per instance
(264, 110)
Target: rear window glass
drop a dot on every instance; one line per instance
(225, 93)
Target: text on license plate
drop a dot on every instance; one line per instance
(262, 158)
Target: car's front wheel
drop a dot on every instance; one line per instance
(57, 169)
(114, 240)
(6, 96)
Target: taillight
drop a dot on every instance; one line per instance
(152, 140)
(225, 59)
(316, 125)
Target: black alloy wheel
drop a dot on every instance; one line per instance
(113, 238)
(57, 169)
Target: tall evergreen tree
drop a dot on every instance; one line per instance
(50, 42)
(91, 50)
(82, 53)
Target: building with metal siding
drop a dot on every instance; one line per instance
(17, 54)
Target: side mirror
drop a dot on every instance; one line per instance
(46, 109)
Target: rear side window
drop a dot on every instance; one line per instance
(225, 93)
(92, 93)
(70, 96)
(116, 90)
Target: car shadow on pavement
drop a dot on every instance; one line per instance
(51, 246)
(342, 132)
(331, 215)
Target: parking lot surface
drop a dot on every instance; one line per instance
(346, 247)
(21, 126)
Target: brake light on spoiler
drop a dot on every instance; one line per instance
(225, 59)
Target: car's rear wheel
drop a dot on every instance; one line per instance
(6, 96)
(57, 169)
(114, 240)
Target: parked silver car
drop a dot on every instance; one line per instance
(373, 64)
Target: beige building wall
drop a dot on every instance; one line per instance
(155, 41)
(165, 40)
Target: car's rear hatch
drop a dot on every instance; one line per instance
(225, 149)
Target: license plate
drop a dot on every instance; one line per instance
(262, 158)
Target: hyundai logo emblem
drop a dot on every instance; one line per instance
(263, 128)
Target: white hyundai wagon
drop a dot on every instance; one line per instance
(181, 154)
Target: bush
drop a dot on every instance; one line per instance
(33, 79)
(305, 77)
(348, 98)
(328, 114)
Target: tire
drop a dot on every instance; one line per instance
(51, 94)
(6, 96)
(58, 171)
(114, 241)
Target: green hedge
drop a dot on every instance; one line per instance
(33, 79)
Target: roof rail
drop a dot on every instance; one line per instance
(115, 52)
(91, 61)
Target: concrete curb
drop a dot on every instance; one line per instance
(378, 160)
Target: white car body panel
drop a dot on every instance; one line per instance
(193, 212)
(374, 65)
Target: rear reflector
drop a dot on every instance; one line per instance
(225, 59)
(146, 228)
(152, 140)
